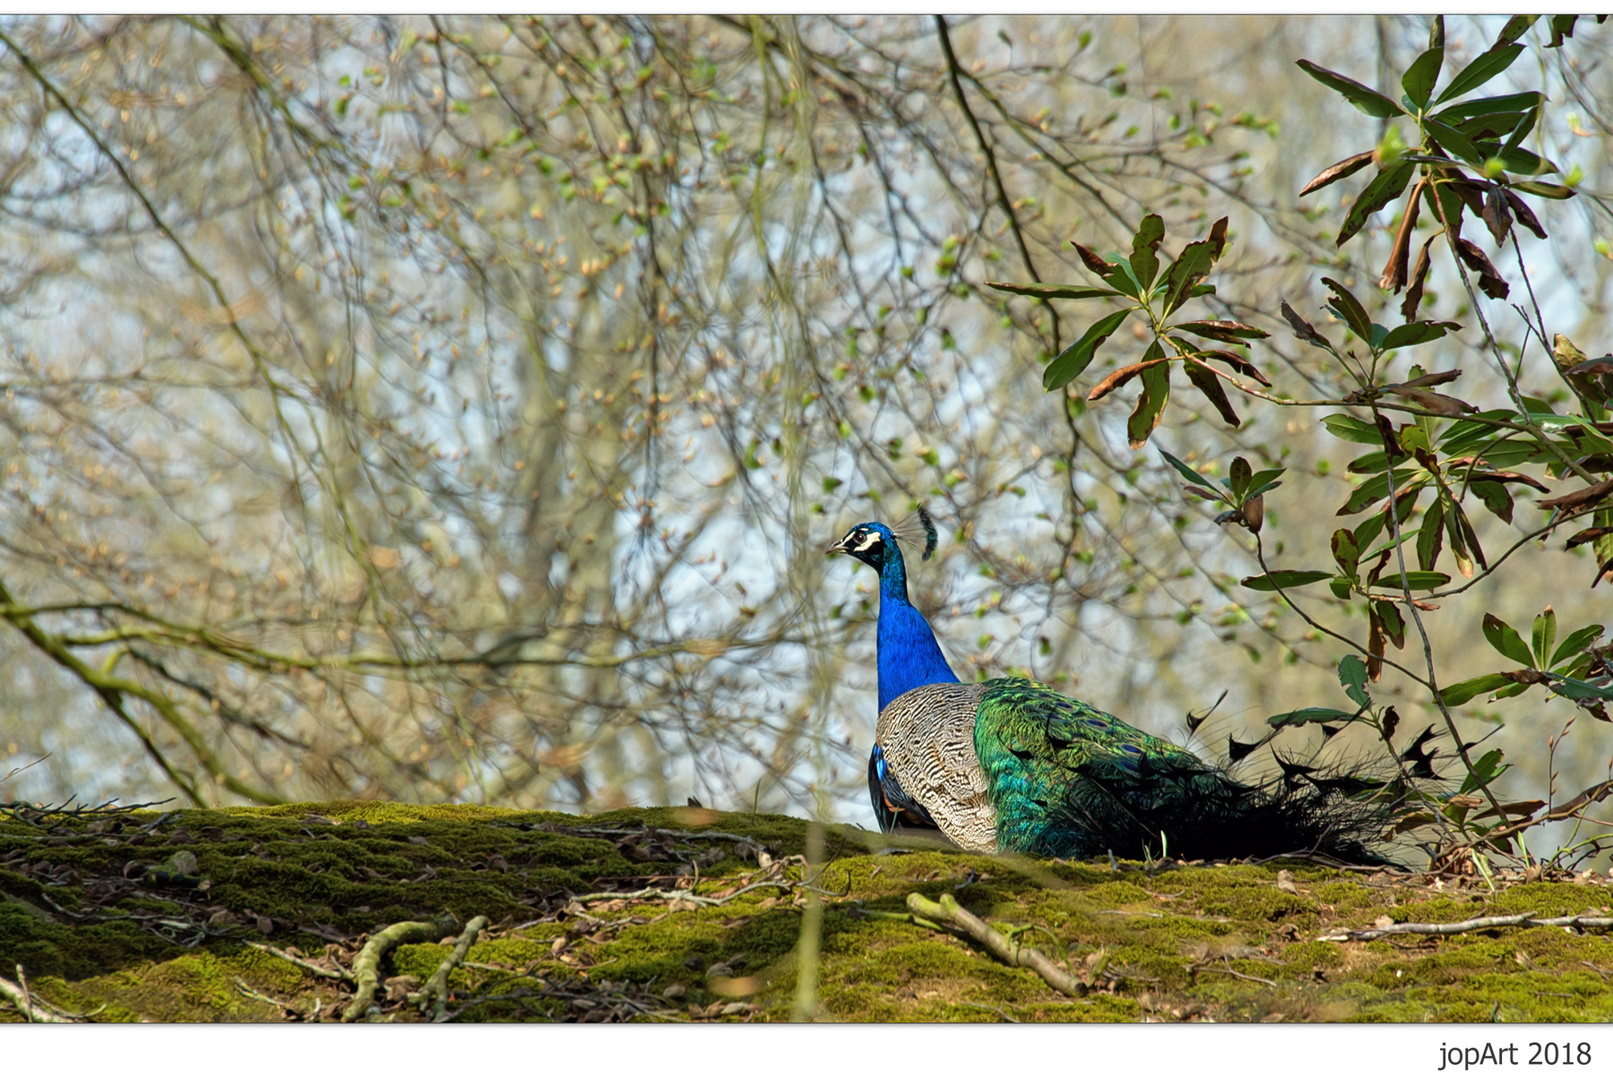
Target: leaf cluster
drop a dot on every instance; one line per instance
(1433, 461)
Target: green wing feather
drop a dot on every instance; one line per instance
(1071, 780)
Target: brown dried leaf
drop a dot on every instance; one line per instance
(1337, 171)
(1602, 365)
(1604, 572)
(1507, 478)
(1254, 512)
(1375, 643)
(1394, 271)
(1095, 262)
(1526, 216)
(1497, 214)
(1585, 536)
(1419, 275)
(1574, 500)
(1238, 364)
(1433, 378)
(1302, 329)
(1490, 282)
(1221, 329)
(1471, 194)
(1121, 376)
(1439, 404)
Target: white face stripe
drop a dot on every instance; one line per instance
(870, 540)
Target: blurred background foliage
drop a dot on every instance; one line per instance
(458, 408)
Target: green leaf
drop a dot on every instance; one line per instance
(1417, 333)
(1348, 428)
(1485, 66)
(1454, 142)
(1515, 159)
(1053, 292)
(1430, 538)
(1484, 770)
(1419, 79)
(1575, 643)
(1462, 692)
(1490, 106)
(1361, 96)
(1383, 189)
(1514, 29)
(1348, 308)
(1545, 191)
(1367, 529)
(1543, 635)
(1192, 264)
(1394, 627)
(1238, 477)
(1221, 330)
(1416, 580)
(1186, 470)
(1308, 716)
(1074, 360)
(1365, 494)
(1285, 579)
(1346, 552)
(1353, 677)
(1151, 403)
(1580, 691)
(1145, 250)
(1496, 498)
(1263, 481)
(1506, 641)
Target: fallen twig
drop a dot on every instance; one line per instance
(1252, 978)
(436, 988)
(33, 1011)
(247, 991)
(649, 894)
(1578, 922)
(367, 968)
(682, 894)
(950, 912)
(340, 973)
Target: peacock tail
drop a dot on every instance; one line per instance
(1012, 765)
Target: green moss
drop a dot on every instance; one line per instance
(95, 930)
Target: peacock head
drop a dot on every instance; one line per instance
(874, 542)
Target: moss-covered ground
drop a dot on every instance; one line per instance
(131, 916)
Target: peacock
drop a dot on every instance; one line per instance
(1011, 765)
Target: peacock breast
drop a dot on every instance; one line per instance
(927, 738)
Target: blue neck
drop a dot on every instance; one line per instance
(908, 653)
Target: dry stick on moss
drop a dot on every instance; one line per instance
(247, 991)
(367, 969)
(1578, 922)
(33, 1011)
(434, 995)
(340, 973)
(952, 914)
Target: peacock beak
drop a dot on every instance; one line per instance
(837, 548)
